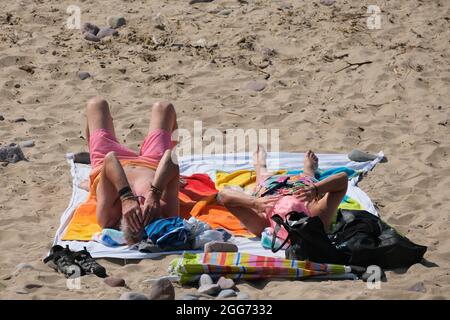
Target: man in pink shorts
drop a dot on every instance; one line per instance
(132, 189)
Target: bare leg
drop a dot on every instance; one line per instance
(167, 178)
(163, 116)
(98, 116)
(260, 164)
(109, 210)
(311, 163)
(254, 221)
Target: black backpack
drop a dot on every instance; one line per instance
(358, 238)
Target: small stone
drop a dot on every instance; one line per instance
(205, 279)
(219, 246)
(418, 287)
(21, 119)
(17, 86)
(243, 296)
(327, 2)
(107, 32)
(133, 296)
(255, 86)
(162, 290)
(189, 297)
(90, 28)
(27, 68)
(225, 283)
(228, 293)
(24, 266)
(225, 12)
(201, 43)
(27, 144)
(32, 286)
(114, 282)
(199, 1)
(90, 37)
(1, 118)
(116, 21)
(122, 70)
(211, 289)
(84, 75)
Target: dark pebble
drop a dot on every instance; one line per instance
(90, 28)
(83, 75)
(107, 32)
(91, 37)
(21, 119)
(162, 290)
(114, 282)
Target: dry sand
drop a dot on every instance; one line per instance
(399, 103)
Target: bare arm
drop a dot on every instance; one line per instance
(131, 211)
(234, 198)
(166, 184)
(335, 183)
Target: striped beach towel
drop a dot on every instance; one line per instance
(246, 266)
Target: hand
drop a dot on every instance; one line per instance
(152, 208)
(265, 204)
(132, 214)
(307, 194)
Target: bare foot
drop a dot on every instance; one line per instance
(311, 163)
(259, 156)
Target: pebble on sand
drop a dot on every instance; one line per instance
(133, 296)
(243, 296)
(162, 290)
(210, 289)
(21, 119)
(225, 283)
(116, 21)
(219, 246)
(90, 37)
(24, 266)
(1, 118)
(189, 297)
(114, 282)
(107, 32)
(418, 287)
(83, 75)
(255, 86)
(205, 279)
(27, 144)
(327, 2)
(228, 293)
(225, 12)
(199, 1)
(90, 28)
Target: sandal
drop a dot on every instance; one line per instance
(62, 261)
(88, 264)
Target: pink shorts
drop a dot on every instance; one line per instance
(102, 141)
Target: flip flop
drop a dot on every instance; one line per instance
(61, 260)
(88, 264)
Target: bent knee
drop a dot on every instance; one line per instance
(163, 107)
(97, 104)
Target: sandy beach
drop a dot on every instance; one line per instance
(329, 83)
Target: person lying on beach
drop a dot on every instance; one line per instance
(132, 188)
(302, 193)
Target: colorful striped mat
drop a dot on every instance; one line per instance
(237, 266)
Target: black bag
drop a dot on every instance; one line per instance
(358, 238)
(371, 241)
(308, 239)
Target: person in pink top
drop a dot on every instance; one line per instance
(303, 194)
